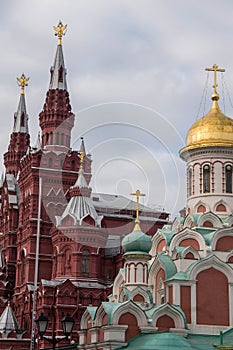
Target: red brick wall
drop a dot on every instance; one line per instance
(131, 321)
(225, 243)
(164, 323)
(190, 242)
(185, 297)
(212, 298)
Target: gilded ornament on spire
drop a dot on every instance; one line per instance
(215, 69)
(81, 156)
(22, 81)
(60, 31)
(137, 221)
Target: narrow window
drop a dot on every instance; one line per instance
(190, 179)
(85, 263)
(228, 179)
(22, 121)
(23, 271)
(206, 178)
(60, 75)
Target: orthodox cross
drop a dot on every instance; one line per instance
(60, 31)
(137, 194)
(22, 81)
(215, 69)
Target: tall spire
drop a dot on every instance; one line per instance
(56, 118)
(58, 70)
(21, 117)
(20, 138)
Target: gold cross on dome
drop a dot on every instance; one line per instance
(60, 31)
(215, 69)
(137, 194)
(22, 81)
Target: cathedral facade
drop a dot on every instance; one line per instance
(175, 289)
(59, 242)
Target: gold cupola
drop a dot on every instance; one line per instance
(213, 130)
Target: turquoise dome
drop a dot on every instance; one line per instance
(137, 241)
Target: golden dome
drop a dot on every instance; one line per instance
(214, 129)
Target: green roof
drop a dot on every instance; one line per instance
(110, 308)
(92, 311)
(136, 241)
(207, 234)
(170, 341)
(169, 266)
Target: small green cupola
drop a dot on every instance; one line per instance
(136, 246)
(137, 241)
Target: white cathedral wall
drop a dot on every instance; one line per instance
(217, 159)
(218, 172)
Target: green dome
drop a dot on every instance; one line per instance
(137, 241)
(160, 341)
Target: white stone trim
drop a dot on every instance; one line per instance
(133, 309)
(186, 234)
(168, 310)
(219, 234)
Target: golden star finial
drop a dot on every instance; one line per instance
(60, 31)
(22, 81)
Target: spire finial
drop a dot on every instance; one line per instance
(81, 156)
(22, 81)
(215, 69)
(137, 221)
(60, 31)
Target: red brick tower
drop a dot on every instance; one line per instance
(20, 138)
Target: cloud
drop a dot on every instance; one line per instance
(148, 53)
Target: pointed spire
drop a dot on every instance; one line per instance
(38, 146)
(58, 70)
(82, 147)
(8, 321)
(21, 117)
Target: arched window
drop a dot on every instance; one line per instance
(85, 263)
(206, 178)
(190, 179)
(228, 172)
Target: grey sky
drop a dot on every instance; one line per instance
(135, 77)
